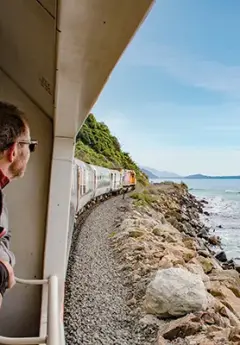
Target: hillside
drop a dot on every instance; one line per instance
(149, 174)
(159, 174)
(96, 145)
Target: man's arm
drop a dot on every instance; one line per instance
(3, 281)
(4, 276)
(7, 279)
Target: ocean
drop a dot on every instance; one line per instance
(223, 196)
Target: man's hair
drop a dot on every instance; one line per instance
(12, 124)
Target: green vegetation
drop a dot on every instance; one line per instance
(96, 145)
(143, 198)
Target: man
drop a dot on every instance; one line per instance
(15, 148)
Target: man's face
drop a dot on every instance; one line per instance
(20, 155)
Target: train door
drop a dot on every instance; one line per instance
(78, 185)
(94, 179)
(112, 180)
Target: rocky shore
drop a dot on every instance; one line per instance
(184, 291)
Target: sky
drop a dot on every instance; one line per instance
(173, 99)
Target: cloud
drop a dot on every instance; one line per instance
(188, 68)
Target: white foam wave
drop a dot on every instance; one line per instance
(232, 191)
(223, 207)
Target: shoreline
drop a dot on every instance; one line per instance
(210, 220)
(159, 232)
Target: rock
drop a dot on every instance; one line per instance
(131, 301)
(201, 339)
(160, 341)
(203, 234)
(175, 292)
(157, 232)
(226, 296)
(180, 251)
(185, 326)
(218, 333)
(235, 335)
(205, 253)
(214, 240)
(224, 311)
(189, 243)
(229, 278)
(152, 320)
(194, 267)
(136, 233)
(206, 213)
(169, 261)
(206, 263)
(230, 264)
(221, 256)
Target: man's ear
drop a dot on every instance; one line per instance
(11, 152)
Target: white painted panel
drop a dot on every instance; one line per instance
(27, 204)
(55, 256)
(28, 48)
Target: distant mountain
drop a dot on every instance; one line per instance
(200, 176)
(197, 176)
(149, 174)
(159, 174)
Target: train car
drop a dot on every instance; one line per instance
(85, 187)
(116, 181)
(129, 179)
(45, 73)
(102, 181)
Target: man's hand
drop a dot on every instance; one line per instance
(11, 277)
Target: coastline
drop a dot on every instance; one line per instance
(159, 236)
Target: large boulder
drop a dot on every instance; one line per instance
(175, 292)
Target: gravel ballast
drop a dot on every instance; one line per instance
(96, 311)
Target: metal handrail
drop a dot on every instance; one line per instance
(53, 328)
(23, 341)
(31, 281)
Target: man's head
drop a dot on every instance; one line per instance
(15, 141)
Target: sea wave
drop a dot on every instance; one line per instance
(224, 220)
(197, 189)
(227, 191)
(223, 208)
(232, 191)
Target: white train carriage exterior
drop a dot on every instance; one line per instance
(53, 65)
(91, 182)
(116, 180)
(84, 186)
(102, 180)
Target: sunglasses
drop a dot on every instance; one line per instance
(32, 144)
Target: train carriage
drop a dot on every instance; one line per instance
(102, 180)
(129, 179)
(85, 187)
(116, 181)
